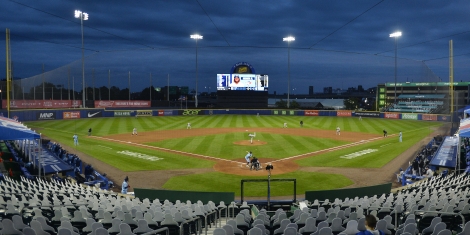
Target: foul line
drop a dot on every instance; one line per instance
(164, 149)
(331, 149)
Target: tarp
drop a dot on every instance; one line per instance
(446, 155)
(13, 130)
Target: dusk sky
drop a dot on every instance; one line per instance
(337, 43)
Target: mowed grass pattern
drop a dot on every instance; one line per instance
(279, 146)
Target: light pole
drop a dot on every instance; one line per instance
(288, 39)
(395, 35)
(196, 36)
(83, 16)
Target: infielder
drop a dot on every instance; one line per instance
(400, 137)
(247, 158)
(252, 136)
(285, 124)
(134, 131)
(75, 139)
(338, 131)
(188, 126)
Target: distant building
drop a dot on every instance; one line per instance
(327, 90)
(310, 90)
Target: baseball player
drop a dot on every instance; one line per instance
(400, 137)
(385, 133)
(252, 136)
(134, 131)
(285, 124)
(360, 118)
(75, 139)
(188, 126)
(247, 158)
(338, 131)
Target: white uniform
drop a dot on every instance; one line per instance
(285, 124)
(338, 131)
(134, 131)
(188, 126)
(252, 136)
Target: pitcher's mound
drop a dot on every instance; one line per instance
(247, 142)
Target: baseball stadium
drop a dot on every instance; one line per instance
(98, 146)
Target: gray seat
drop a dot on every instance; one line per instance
(18, 222)
(445, 232)
(361, 224)
(28, 231)
(254, 231)
(325, 231)
(228, 229)
(125, 229)
(142, 227)
(115, 226)
(236, 230)
(94, 227)
(336, 225)
(351, 228)
(64, 231)
(309, 227)
(439, 227)
(321, 225)
(219, 231)
(382, 226)
(466, 229)
(290, 231)
(44, 224)
(282, 226)
(430, 229)
(101, 231)
(36, 226)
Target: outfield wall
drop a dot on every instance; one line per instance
(58, 114)
(193, 196)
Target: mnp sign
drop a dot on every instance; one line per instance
(45, 116)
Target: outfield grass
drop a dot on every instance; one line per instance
(279, 146)
(386, 149)
(220, 182)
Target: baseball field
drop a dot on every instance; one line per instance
(210, 156)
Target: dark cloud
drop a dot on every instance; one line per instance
(153, 37)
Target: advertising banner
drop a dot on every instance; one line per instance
(343, 113)
(311, 113)
(410, 116)
(42, 104)
(45, 116)
(429, 117)
(443, 118)
(367, 114)
(283, 112)
(144, 113)
(122, 104)
(168, 113)
(190, 112)
(392, 115)
(122, 113)
(71, 115)
(161, 113)
(93, 114)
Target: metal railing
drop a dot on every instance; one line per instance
(444, 213)
(158, 231)
(198, 228)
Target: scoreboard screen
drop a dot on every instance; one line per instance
(242, 82)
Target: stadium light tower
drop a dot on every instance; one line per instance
(395, 35)
(196, 36)
(288, 40)
(83, 16)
